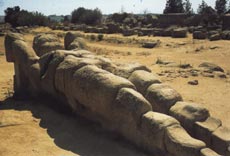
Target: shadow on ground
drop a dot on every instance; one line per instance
(73, 133)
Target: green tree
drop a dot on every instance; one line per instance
(221, 6)
(17, 17)
(209, 15)
(188, 7)
(202, 7)
(77, 14)
(174, 6)
(119, 17)
(86, 16)
(11, 15)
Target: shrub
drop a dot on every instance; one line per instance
(174, 6)
(118, 17)
(17, 17)
(86, 16)
(92, 37)
(100, 37)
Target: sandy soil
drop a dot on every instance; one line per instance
(213, 93)
(29, 128)
(32, 128)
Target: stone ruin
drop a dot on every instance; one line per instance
(124, 98)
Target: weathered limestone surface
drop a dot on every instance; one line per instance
(25, 64)
(125, 98)
(143, 79)
(9, 39)
(188, 114)
(208, 152)
(221, 141)
(180, 143)
(162, 97)
(203, 130)
(153, 128)
(73, 41)
(44, 43)
(125, 70)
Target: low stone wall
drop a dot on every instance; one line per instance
(226, 22)
(124, 98)
(166, 20)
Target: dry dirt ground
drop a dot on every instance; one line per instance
(213, 93)
(32, 128)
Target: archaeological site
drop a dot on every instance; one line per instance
(115, 83)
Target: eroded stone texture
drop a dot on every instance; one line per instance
(203, 130)
(99, 89)
(208, 152)
(26, 71)
(127, 111)
(50, 62)
(69, 38)
(125, 70)
(44, 43)
(221, 141)
(189, 113)
(153, 128)
(179, 143)
(9, 39)
(142, 80)
(162, 97)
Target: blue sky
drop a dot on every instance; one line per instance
(64, 7)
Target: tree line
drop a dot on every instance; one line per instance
(180, 6)
(17, 17)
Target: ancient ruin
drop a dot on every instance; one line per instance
(124, 98)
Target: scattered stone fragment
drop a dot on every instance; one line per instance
(215, 37)
(225, 35)
(160, 74)
(211, 66)
(182, 43)
(179, 33)
(193, 82)
(173, 64)
(207, 70)
(194, 74)
(163, 62)
(228, 73)
(214, 47)
(184, 76)
(185, 65)
(208, 75)
(199, 35)
(220, 74)
(150, 45)
(188, 113)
